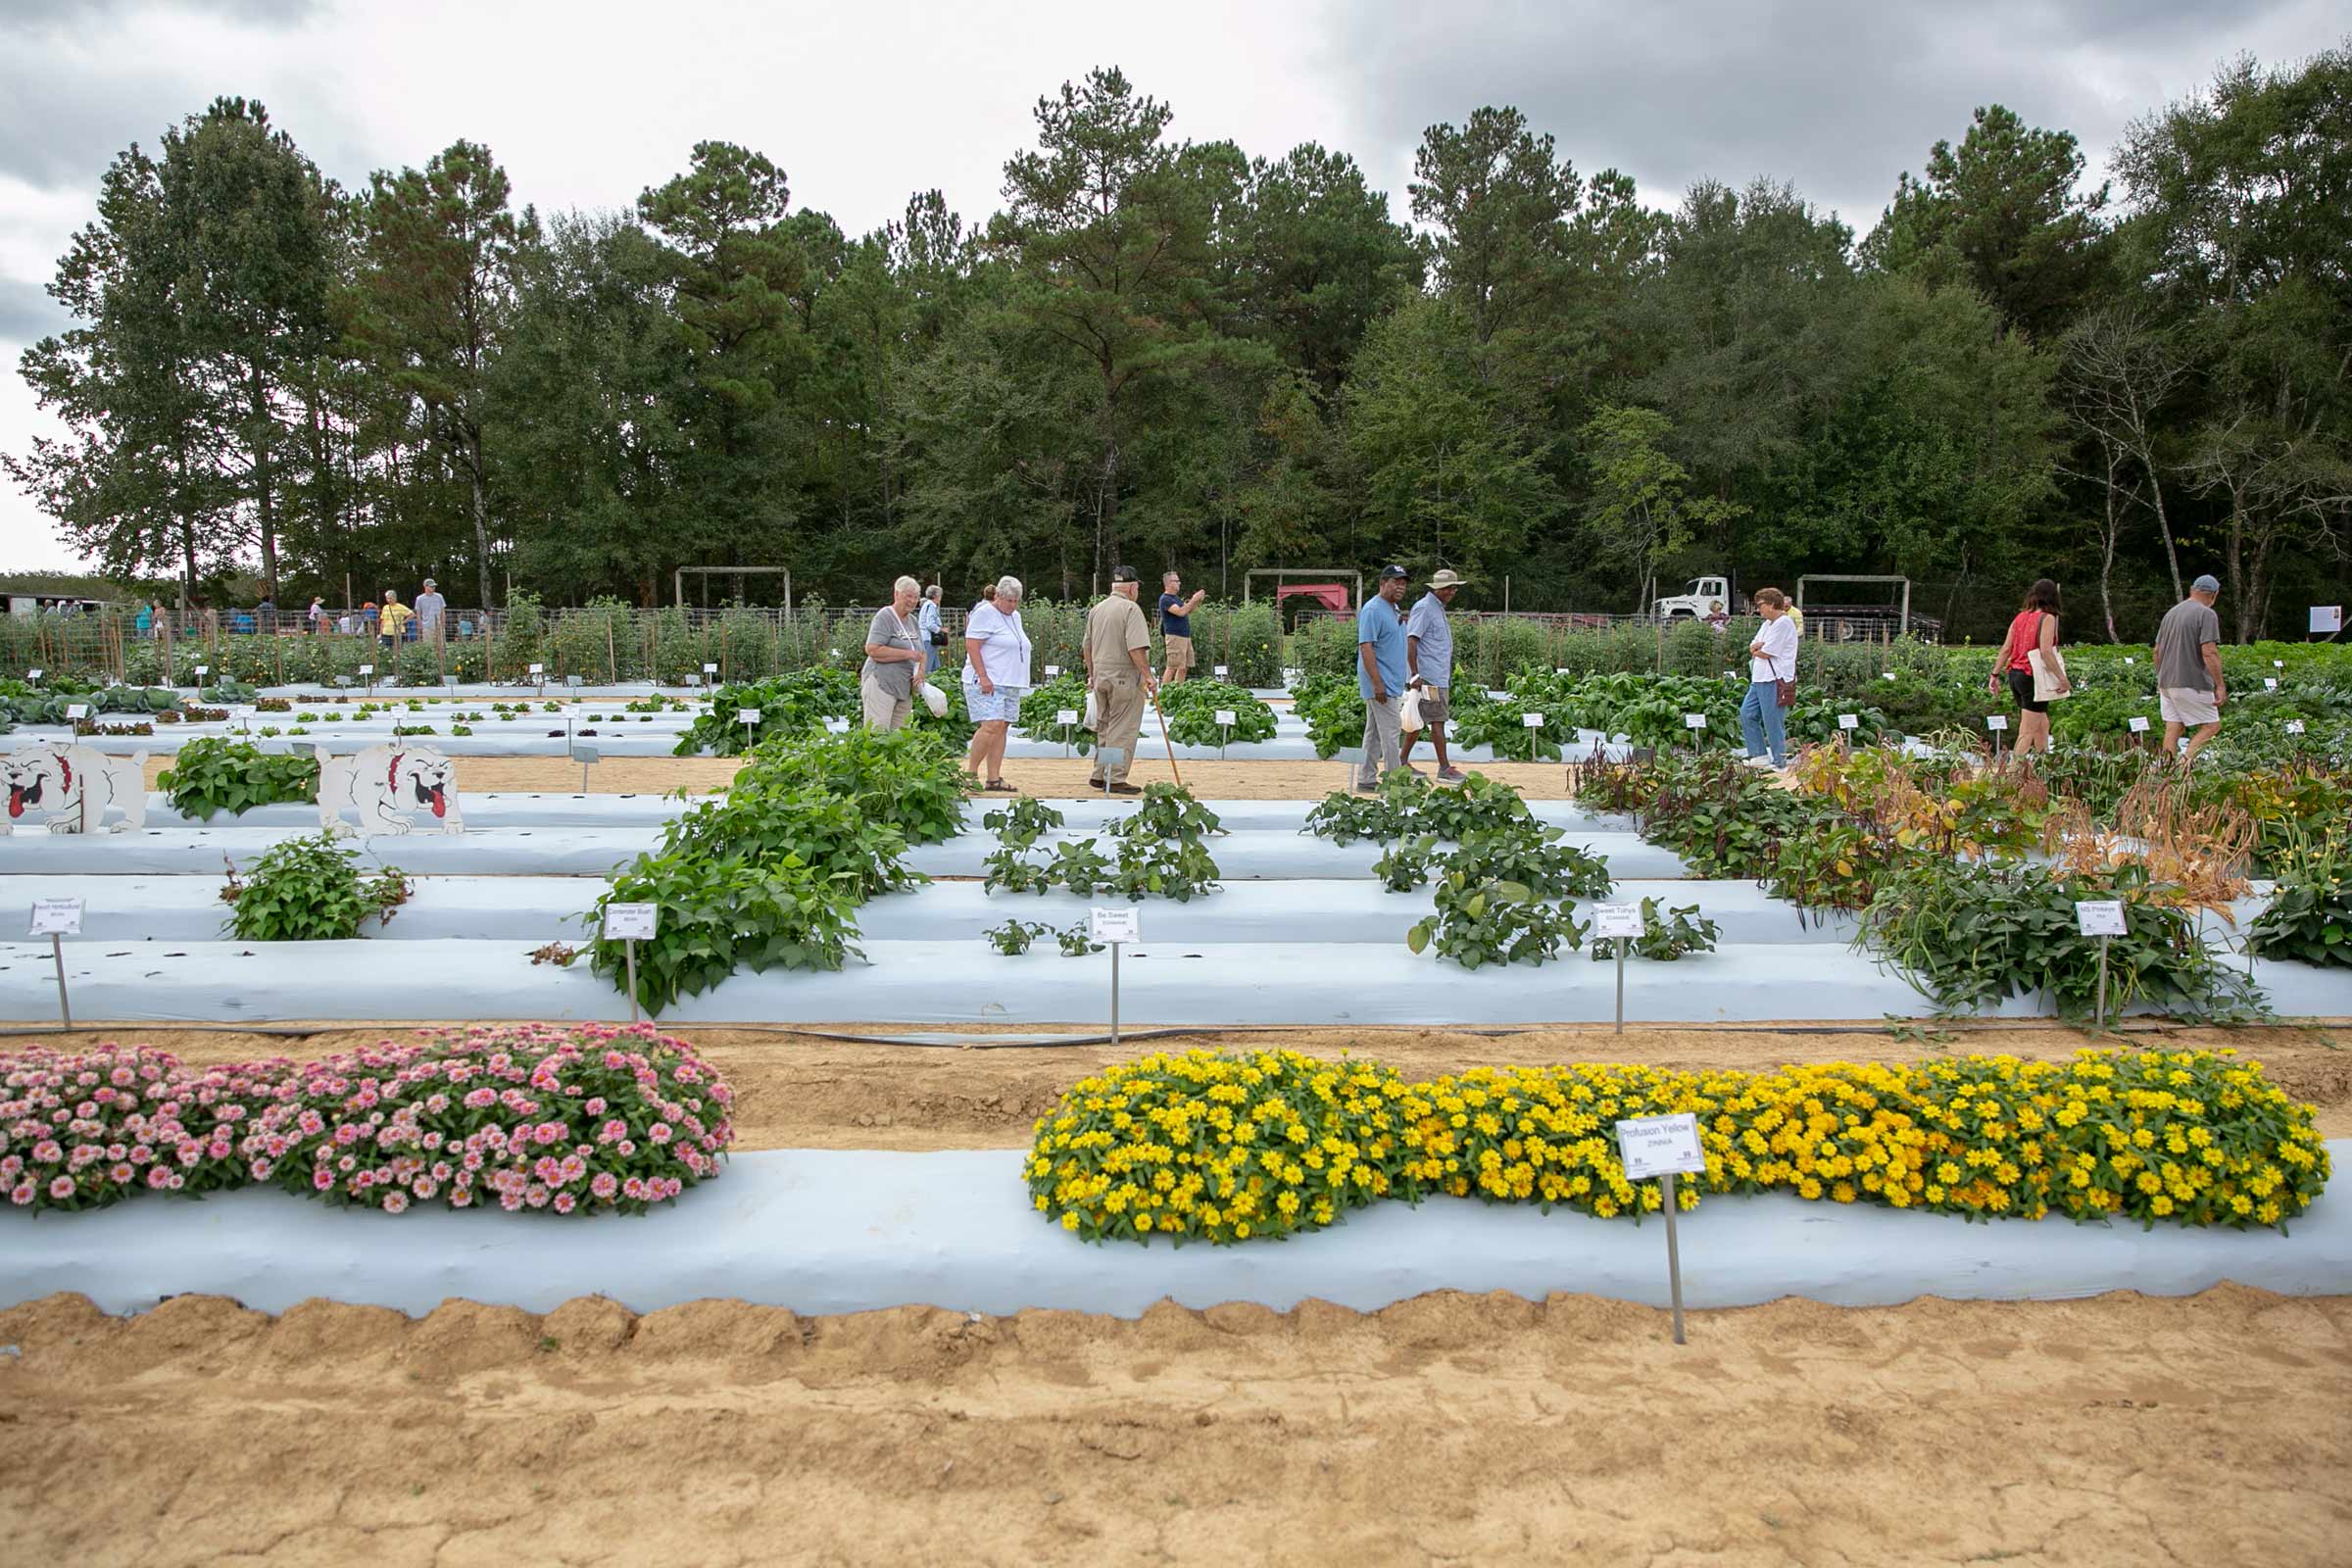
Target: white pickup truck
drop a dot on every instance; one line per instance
(1706, 596)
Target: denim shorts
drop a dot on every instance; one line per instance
(982, 706)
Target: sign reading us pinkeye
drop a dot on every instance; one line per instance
(1660, 1146)
(2100, 917)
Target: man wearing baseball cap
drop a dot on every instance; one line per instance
(1118, 671)
(1380, 676)
(430, 608)
(1428, 664)
(2189, 689)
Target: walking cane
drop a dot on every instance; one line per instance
(1163, 737)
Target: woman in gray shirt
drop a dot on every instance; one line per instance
(894, 652)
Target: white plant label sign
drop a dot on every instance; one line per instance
(1695, 722)
(1113, 925)
(2270, 683)
(837, 727)
(202, 671)
(2294, 726)
(56, 917)
(2326, 618)
(536, 669)
(1849, 722)
(1997, 721)
(1658, 1145)
(2139, 724)
(631, 922)
(78, 709)
(1217, 670)
(1051, 670)
(1065, 715)
(33, 675)
(449, 680)
(747, 715)
(1531, 721)
(1616, 919)
(366, 669)
(707, 670)
(2100, 917)
(1886, 675)
(1225, 716)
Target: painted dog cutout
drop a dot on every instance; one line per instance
(58, 783)
(391, 788)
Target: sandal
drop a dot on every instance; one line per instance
(999, 784)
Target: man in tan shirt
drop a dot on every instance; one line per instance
(1118, 671)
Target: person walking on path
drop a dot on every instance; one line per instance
(430, 608)
(393, 621)
(1118, 671)
(2189, 688)
(894, 652)
(1176, 628)
(2034, 630)
(1380, 676)
(1428, 664)
(1771, 661)
(996, 677)
(926, 622)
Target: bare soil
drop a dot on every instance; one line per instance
(800, 1090)
(1450, 1428)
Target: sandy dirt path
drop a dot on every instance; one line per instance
(1445, 1429)
(797, 1091)
(1052, 777)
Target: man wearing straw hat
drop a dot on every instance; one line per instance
(1428, 665)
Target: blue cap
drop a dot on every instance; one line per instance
(2207, 584)
(1386, 572)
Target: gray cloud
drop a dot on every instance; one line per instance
(60, 14)
(1834, 95)
(27, 314)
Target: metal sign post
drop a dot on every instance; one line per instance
(587, 757)
(539, 676)
(202, 670)
(1997, 722)
(1111, 756)
(628, 924)
(1114, 926)
(58, 919)
(1664, 1146)
(1621, 922)
(369, 671)
(1224, 726)
(1067, 719)
(2102, 918)
(1694, 722)
(748, 718)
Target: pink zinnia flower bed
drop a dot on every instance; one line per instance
(572, 1119)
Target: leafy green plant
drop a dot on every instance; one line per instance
(1476, 805)
(1022, 822)
(1014, 936)
(228, 689)
(1077, 940)
(213, 774)
(1536, 858)
(1343, 818)
(907, 779)
(790, 705)
(1040, 704)
(2308, 917)
(309, 890)
(721, 915)
(1081, 868)
(1191, 708)
(1494, 922)
(1406, 863)
(1009, 871)
(1668, 936)
(1169, 812)
(764, 818)
(1829, 862)
(1333, 710)
(1179, 868)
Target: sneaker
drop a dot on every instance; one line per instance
(1451, 775)
(1759, 761)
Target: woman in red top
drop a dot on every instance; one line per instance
(2034, 630)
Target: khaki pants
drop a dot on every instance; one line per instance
(1380, 742)
(1118, 720)
(884, 710)
(1178, 657)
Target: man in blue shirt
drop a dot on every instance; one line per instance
(1176, 628)
(1428, 664)
(1379, 675)
(927, 626)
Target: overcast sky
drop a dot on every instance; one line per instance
(587, 102)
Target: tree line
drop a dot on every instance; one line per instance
(1172, 353)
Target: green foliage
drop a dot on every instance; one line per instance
(1333, 710)
(1666, 935)
(310, 890)
(212, 775)
(765, 818)
(1021, 823)
(2309, 916)
(1494, 922)
(908, 779)
(789, 705)
(1063, 694)
(718, 916)
(1014, 936)
(1968, 935)
(1190, 709)
(1166, 811)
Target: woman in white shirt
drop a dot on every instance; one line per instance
(1771, 659)
(995, 676)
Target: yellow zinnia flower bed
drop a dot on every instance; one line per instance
(1234, 1148)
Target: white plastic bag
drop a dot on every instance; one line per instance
(1408, 711)
(1088, 722)
(933, 698)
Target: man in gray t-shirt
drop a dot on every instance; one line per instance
(1428, 665)
(2189, 688)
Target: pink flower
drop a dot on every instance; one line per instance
(159, 1176)
(658, 1132)
(321, 1179)
(479, 1098)
(21, 1194)
(122, 1174)
(61, 1188)
(564, 1203)
(605, 1185)
(396, 1202)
